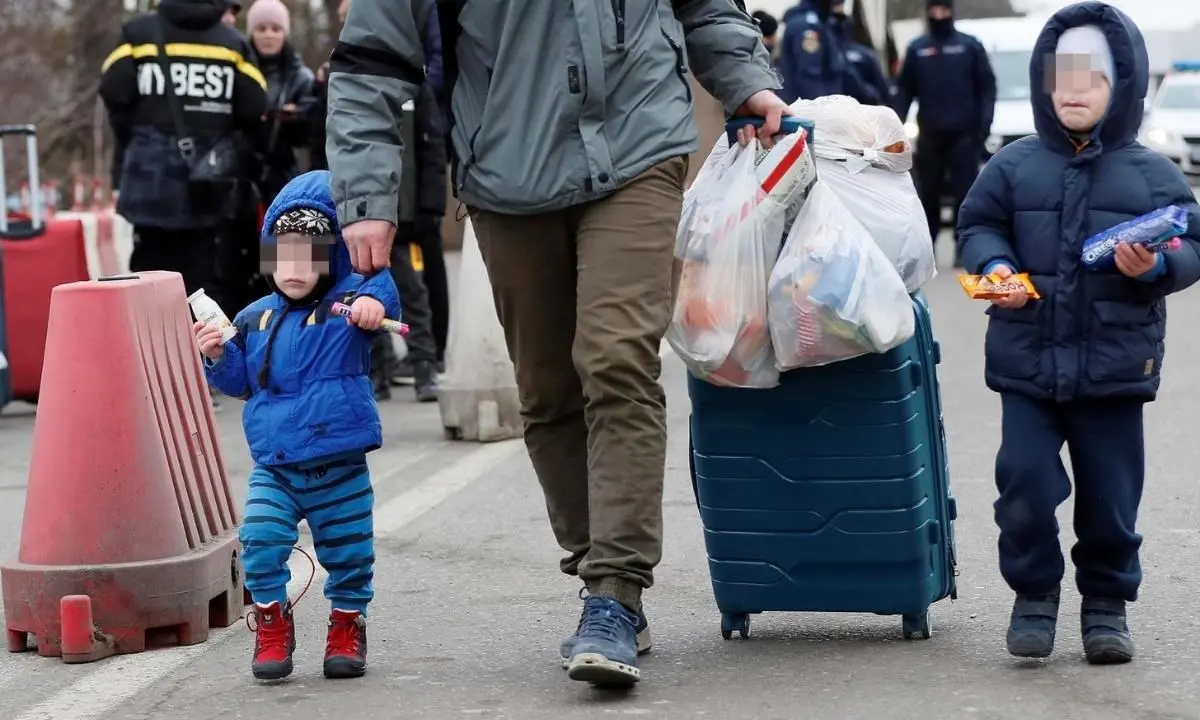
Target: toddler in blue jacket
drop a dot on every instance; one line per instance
(1076, 366)
(310, 419)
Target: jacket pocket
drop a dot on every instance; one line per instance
(1013, 346)
(681, 68)
(1125, 342)
(618, 8)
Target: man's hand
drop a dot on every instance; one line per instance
(367, 313)
(1134, 260)
(767, 105)
(370, 244)
(1014, 300)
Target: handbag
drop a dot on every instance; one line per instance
(215, 165)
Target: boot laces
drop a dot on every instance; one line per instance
(344, 633)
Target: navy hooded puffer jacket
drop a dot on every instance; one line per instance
(1092, 335)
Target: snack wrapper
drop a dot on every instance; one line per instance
(1153, 231)
(993, 287)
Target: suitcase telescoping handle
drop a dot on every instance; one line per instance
(790, 124)
(35, 227)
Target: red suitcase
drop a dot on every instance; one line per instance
(38, 255)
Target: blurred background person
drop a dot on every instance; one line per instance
(770, 31)
(812, 60)
(861, 58)
(174, 211)
(271, 152)
(230, 18)
(949, 75)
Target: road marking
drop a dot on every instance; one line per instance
(118, 680)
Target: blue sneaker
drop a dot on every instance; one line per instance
(1106, 638)
(605, 651)
(1032, 627)
(567, 648)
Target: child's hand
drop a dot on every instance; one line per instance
(1134, 260)
(1011, 301)
(208, 337)
(367, 313)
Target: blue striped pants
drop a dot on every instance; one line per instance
(337, 500)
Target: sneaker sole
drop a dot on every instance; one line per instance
(345, 670)
(602, 672)
(1035, 652)
(1114, 653)
(643, 646)
(272, 671)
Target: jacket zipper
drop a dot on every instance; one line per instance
(680, 62)
(618, 7)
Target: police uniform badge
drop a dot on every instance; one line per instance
(811, 42)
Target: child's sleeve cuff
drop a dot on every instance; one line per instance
(1156, 272)
(1001, 262)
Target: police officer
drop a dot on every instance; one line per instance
(812, 60)
(770, 31)
(176, 194)
(861, 58)
(948, 73)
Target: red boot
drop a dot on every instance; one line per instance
(346, 645)
(274, 642)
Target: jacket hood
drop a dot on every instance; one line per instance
(193, 14)
(1120, 125)
(311, 190)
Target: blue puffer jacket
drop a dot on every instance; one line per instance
(320, 403)
(1092, 335)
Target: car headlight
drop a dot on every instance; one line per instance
(993, 144)
(1161, 138)
(911, 130)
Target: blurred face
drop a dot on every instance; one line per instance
(1080, 94)
(940, 12)
(296, 262)
(229, 19)
(268, 39)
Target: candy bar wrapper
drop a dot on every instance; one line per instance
(992, 287)
(1152, 231)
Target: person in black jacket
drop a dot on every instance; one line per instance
(219, 92)
(950, 76)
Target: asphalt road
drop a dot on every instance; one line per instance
(470, 606)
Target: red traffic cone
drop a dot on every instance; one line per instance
(127, 501)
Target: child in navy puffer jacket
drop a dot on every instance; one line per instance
(1078, 365)
(310, 419)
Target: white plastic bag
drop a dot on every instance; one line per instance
(727, 243)
(888, 207)
(860, 135)
(833, 295)
(478, 396)
(3, 362)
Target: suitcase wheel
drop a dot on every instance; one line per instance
(739, 622)
(917, 626)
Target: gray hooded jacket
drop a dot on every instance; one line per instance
(558, 102)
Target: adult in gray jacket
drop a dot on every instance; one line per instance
(572, 122)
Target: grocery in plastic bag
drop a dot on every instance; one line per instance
(728, 239)
(833, 295)
(888, 207)
(860, 135)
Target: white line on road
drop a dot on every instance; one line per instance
(118, 680)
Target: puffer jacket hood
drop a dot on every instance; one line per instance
(1121, 124)
(193, 14)
(311, 190)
